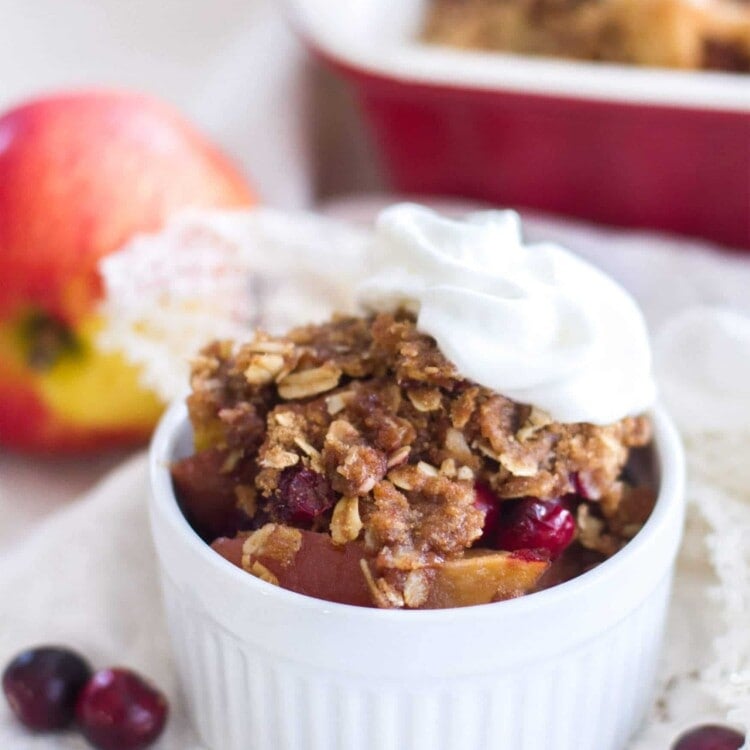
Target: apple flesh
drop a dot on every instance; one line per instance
(206, 494)
(319, 568)
(79, 175)
(322, 570)
(484, 576)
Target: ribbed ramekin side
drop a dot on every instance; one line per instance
(589, 698)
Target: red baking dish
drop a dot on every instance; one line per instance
(630, 146)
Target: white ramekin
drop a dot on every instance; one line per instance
(569, 668)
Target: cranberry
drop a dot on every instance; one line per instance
(486, 502)
(710, 737)
(117, 710)
(303, 495)
(530, 523)
(42, 686)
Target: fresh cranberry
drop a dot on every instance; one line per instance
(117, 710)
(530, 523)
(303, 495)
(710, 737)
(485, 501)
(42, 686)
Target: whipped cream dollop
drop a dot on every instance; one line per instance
(533, 322)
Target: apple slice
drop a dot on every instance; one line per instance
(303, 561)
(206, 495)
(230, 549)
(309, 563)
(484, 576)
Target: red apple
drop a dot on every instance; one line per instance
(79, 175)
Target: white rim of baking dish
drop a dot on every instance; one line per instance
(358, 35)
(656, 543)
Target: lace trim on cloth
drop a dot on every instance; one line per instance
(703, 363)
(217, 276)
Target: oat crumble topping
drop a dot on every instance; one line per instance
(388, 442)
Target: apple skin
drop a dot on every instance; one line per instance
(80, 174)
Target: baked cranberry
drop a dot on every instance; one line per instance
(42, 686)
(118, 710)
(485, 501)
(530, 523)
(710, 737)
(303, 495)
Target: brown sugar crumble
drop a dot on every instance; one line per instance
(362, 441)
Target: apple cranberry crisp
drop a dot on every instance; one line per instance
(351, 461)
(714, 34)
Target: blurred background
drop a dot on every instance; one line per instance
(673, 146)
(234, 67)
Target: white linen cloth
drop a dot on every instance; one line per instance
(86, 576)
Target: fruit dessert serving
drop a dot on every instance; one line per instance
(476, 434)
(713, 35)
